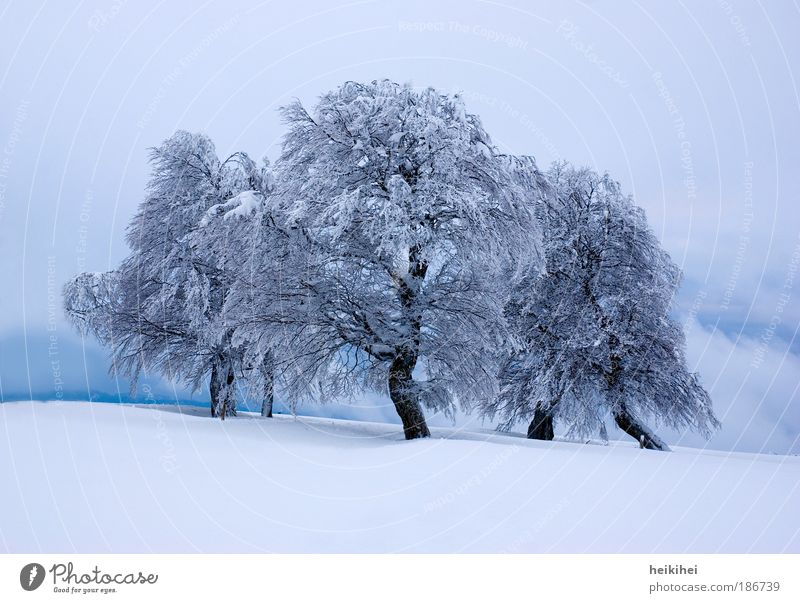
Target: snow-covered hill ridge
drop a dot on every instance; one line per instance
(107, 477)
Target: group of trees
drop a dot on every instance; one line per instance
(392, 248)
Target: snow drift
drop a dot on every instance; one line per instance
(83, 477)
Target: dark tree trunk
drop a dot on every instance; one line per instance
(269, 387)
(405, 399)
(223, 393)
(541, 427)
(638, 431)
(229, 403)
(401, 382)
(623, 418)
(213, 387)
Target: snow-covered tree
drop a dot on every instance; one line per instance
(163, 309)
(251, 245)
(595, 327)
(406, 222)
(224, 239)
(89, 299)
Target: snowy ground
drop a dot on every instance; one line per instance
(106, 477)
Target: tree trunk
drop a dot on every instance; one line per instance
(638, 431)
(223, 392)
(213, 388)
(541, 427)
(624, 419)
(228, 395)
(269, 387)
(401, 383)
(401, 391)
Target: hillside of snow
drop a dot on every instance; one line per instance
(83, 477)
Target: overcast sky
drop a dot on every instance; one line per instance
(693, 107)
